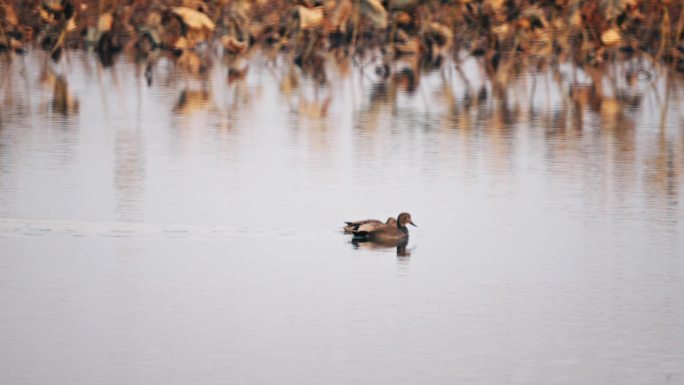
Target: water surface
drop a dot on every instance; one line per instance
(189, 231)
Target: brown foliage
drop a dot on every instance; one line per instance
(589, 32)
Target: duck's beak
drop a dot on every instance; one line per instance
(413, 224)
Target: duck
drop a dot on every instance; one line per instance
(386, 232)
(367, 224)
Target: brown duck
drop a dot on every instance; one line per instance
(384, 232)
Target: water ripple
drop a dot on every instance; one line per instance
(18, 227)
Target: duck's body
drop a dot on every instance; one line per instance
(366, 225)
(392, 231)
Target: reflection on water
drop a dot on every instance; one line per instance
(62, 101)
(399, 245)
(191, 101)
(180, 221)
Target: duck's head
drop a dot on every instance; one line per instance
(405, 219)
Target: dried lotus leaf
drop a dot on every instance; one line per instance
(374, 11)
(309, 17)
(104, 22)
(194, 19)
(611, 37)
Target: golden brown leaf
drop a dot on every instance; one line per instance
(411, 47)
(194, 19)
(576, 19)
(233, 45)
(190, 62)
(501, 31)
(153, 19)
(10, 15)
(71, 24)
(272, 19)
(181, 43)
(374, 11)
(54, 6)
(611, 37)
(46, 16)
(496, 5)
(402, 17)
(104, 22)
(341, 15)
(309, 17)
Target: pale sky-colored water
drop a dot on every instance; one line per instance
(190, 231)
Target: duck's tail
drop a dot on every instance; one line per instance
(361, 235)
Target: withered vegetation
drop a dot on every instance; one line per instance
(586, 33)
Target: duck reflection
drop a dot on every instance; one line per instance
(400, 245)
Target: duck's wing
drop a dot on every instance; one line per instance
(371, 227)
(354, 226)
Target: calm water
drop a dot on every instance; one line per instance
(190, 231)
